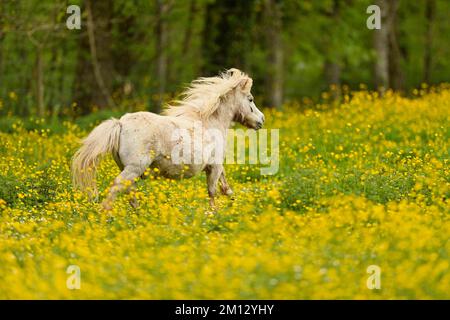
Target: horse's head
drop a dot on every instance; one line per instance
(227, 95)
(246, 111)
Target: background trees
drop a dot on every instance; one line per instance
(138, 54)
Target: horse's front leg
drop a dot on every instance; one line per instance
(213, 173)
(226, 190)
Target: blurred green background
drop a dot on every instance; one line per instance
(137, 55)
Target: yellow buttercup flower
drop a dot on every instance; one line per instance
(361, 184)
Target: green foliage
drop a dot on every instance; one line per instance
(201, 37)
(11, 189)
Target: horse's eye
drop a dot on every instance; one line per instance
(250, 99)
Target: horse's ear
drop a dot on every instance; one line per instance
(232, 72)
(245, 84)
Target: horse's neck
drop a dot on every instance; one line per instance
(221, 119)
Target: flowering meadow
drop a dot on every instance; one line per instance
(364, 183)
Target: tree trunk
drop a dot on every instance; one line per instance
(95, 61)
(430, 10)
(226, 35)
(332, 73)
(190, 24)
(124, 56)
(396, 76)
(274, 44)
(60, 97)
(40, 82)
(2, 35)
(161, 50)
(52, 71)
(381, 45)
(94, 73)
(332, 67)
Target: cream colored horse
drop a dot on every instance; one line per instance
(141, 140)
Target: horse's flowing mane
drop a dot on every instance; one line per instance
(203, 96)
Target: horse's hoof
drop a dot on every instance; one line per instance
(227, 192)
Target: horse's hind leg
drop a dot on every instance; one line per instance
(124, 181)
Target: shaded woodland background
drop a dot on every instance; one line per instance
(136, 55)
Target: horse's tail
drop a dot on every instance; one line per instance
(102, 140)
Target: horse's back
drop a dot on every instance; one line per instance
(145, 132)
(140, 115)
(155, 119)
